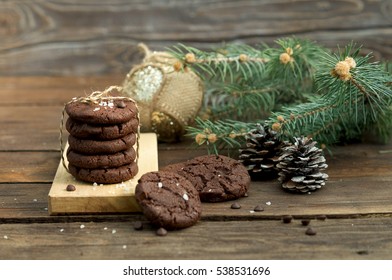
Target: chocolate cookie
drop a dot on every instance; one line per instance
(168, 200)
(100, 132)
(106, 112)
(101, 161)
(95, 147)
(216, 178)
(104, 175)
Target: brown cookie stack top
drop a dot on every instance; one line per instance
(102, 135)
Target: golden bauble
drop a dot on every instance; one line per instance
(166, 127)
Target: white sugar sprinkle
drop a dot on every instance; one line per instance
(160, 185)
(177, 184)
(35, 200)
(105, 228)
(81, 226)
(95, 184)
(268, 203)
(96, 109)
(251, 211)
(5, 237)
(61, 230)
(114, 231)
(185, 196)
(124, 247)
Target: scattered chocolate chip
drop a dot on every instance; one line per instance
(161, 232)
(121, 104)
(321, 217)
(138, 225)
(305, 222)
(235, 206)
(310, 231)
(71, 188)
(258, 208)
(287, 219)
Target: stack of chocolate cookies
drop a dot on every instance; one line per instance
(101, 141)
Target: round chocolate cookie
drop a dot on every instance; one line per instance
(168, 200)
(216, 178)
(95, 147)
(104, 175)
(101, 161)
(101, 132)
(106, 112)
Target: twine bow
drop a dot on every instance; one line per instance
(95, 98)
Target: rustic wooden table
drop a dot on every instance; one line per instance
(357, 200)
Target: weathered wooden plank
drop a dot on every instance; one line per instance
(367, 238)
(69, 37)
(339, 198)
(28, 167)
(45, 90)
(30, 127)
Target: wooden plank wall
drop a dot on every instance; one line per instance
(91, 37)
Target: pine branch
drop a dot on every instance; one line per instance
(356, 97)
(219, 135)
(225, 63)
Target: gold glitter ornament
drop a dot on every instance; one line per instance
(168, 98)
(166, 128)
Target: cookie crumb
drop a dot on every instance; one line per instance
(258, 208)
(310, 231)
(235, 206)
(138, 225)
(321, 217)
(70, 188)
(161, 232)
(287, 219)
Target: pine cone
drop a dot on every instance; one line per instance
(262, 151)
(300, 166)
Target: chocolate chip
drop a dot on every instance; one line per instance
(71, 188)
(310, 231)
(161, 232)
(258, 208)
(138, 225)
(287, 219)
(305, 222)
(235, 206)
(321, 217)
(121, 104)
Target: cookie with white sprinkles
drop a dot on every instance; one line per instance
(217, 178)
(168, 200)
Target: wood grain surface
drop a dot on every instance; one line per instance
(365, 238)
(73, 37)
(356, 200)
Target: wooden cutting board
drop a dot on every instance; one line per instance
(108, 198)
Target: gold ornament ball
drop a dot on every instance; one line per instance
(166, 127)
